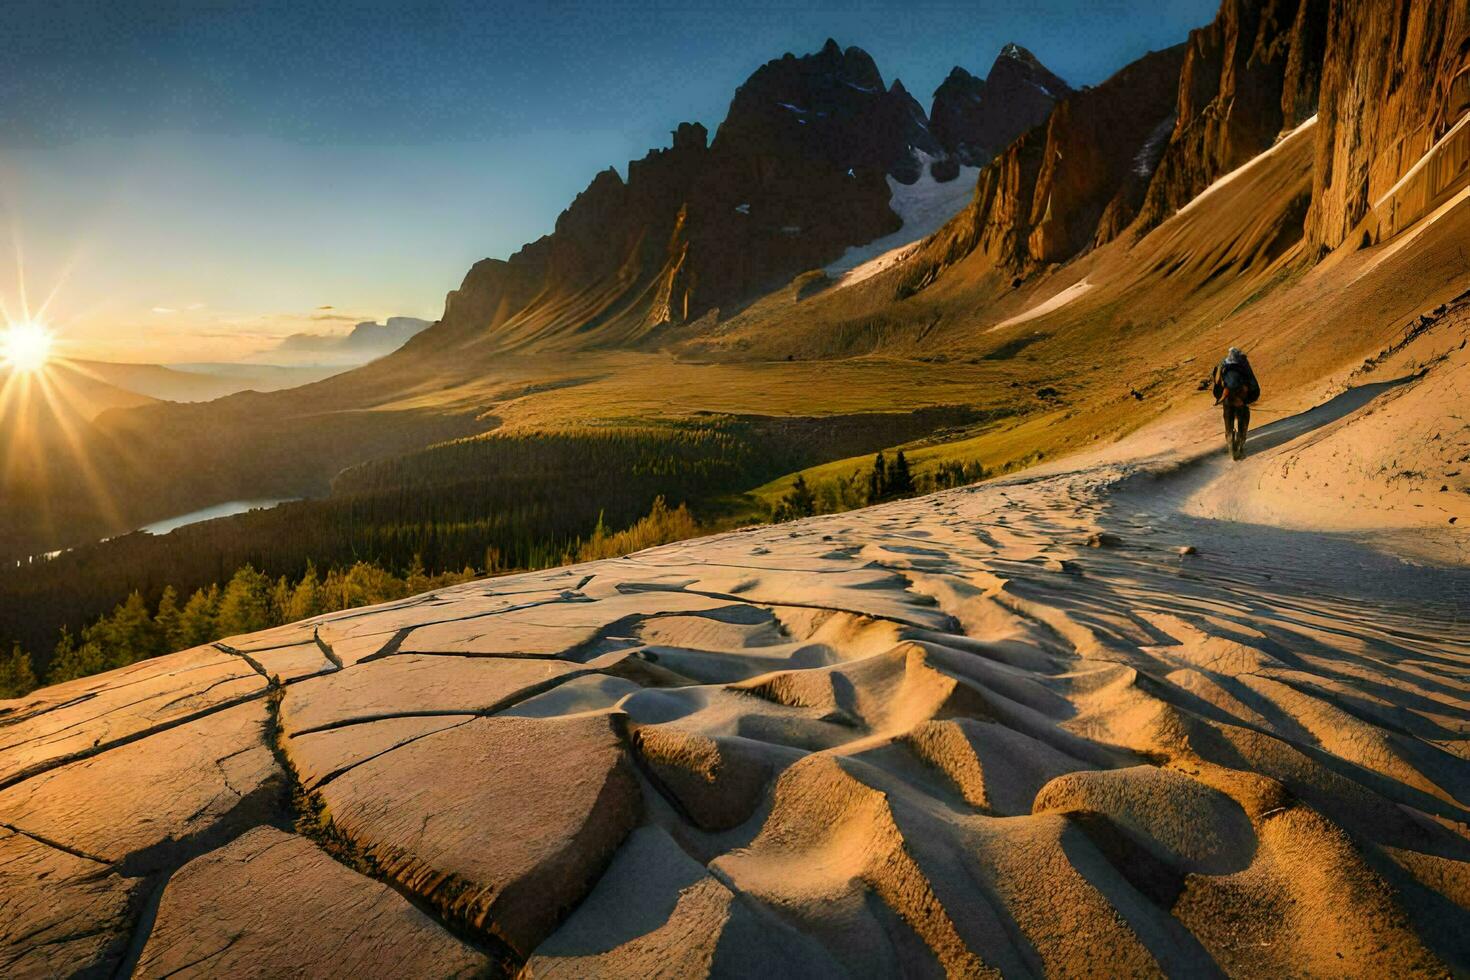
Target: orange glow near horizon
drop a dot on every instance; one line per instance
(46, 409)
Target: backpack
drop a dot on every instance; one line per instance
(1237, 382)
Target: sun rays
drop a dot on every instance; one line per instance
(49, 446)
(25, 347)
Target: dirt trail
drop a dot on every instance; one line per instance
(1007, 728)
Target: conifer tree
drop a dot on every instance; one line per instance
(128, 635)
(280, 602)
(878, 479)
(70, 660)
(245, 605)
(16, 676)
(198, 621)
(167, 621)
(417, 579)
(306, 599)
(900, 480)
(798, 502)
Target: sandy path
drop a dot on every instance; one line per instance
(1004, 728)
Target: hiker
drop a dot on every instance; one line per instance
(1235, 385)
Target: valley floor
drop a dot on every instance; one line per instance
(1007, 728)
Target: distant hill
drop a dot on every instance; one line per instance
(364, 342)
(197, 382)
(68, 390)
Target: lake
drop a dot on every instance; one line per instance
(228, 509)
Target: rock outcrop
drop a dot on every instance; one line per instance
(1252, 72)
(795, 174)
(604, 253)
(1395, 84)
(1066, 185)
(892, 741)
(1098, 142)
(955, 114)
(224, 912)
(973, 120)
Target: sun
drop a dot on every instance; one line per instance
(25, 347)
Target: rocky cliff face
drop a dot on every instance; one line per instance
(1068, 184)
(974, 120)
(1395, 83)
(953, 115)
(830, 107)
(796, 174)
(1246, 76)
(1096, 141)
(607, 247)
(799, 169)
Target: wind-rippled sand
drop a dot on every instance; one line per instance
(1007, 729)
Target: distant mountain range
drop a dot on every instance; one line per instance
(94, 386)
(365, 341)
(1214, 192)
(796, 174)
(190, 382)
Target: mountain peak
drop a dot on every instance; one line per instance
(1018, 63)
(973, 118)
(958, 75)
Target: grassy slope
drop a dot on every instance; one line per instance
(1161, 311)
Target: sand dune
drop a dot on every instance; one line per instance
(1006, 729)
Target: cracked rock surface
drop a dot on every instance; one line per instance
(943, 735)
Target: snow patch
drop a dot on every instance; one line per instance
(1252, 162)
(1058, 301)
(1147, 157)
(925, 205)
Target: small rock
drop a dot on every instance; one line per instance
(1103, 539)
(1187, 549)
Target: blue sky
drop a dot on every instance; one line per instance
(207, 175)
